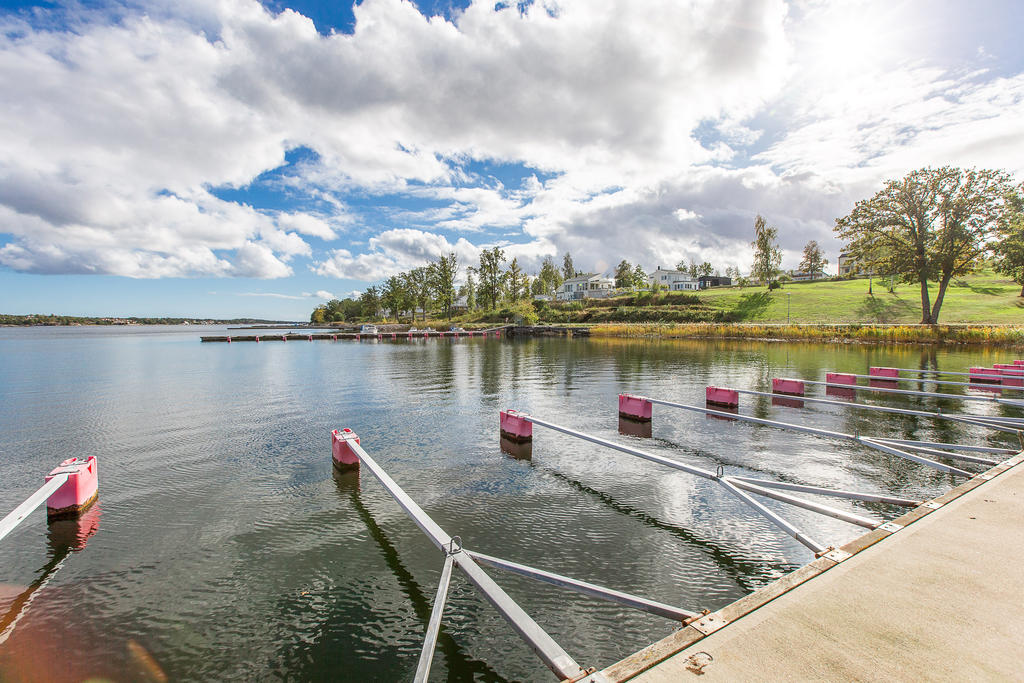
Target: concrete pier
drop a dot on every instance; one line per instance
(935, 595)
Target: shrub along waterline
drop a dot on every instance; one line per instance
(1008, 335)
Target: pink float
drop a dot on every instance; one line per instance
(1012, 378)
(515, 427)
(1018, 362)
(793, 387)
(982, 375)
(78, 492)
(730, 398)
(634, 408)
(884, 372)
(341, 450)
(229, 340)
(840, 378)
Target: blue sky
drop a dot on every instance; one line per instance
(230, 158)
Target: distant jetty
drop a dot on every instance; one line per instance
(506, 330)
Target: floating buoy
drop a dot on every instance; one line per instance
(78, 492)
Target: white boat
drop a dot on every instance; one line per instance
(413, 329)
(368, 329)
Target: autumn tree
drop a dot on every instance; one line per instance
(933, 225)
(767, 256)
(814, 260)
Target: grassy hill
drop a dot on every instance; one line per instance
(983, 298)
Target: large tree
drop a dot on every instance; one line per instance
(419, 285)
(443, 273)
(517, 283)
(932, 225)
(568, 269)
(814, 260)
(550, 276)
(392, 295)
(468, 290)
(370, 300)
(624, 274)
(489, 291)
(639, 277)
(767, 256)
(1008, 248)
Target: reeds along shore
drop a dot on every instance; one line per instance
(1008, 335)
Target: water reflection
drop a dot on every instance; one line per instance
(461, 667)
(520, 450)
(638, 428)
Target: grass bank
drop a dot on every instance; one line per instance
(1002, 335)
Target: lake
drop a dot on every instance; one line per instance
(223, 545)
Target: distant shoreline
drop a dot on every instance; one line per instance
(36, 320)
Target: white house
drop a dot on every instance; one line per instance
(585, 286)
(674, 280)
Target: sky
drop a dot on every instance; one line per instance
(230, 158)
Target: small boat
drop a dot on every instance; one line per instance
(368, 329)
(456, 328)
(413, 329)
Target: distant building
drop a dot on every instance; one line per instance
(799, 276)
(673, 280)
(542, 297)
(706, 281)
(586, 286)
(461, 304)
(847, 265)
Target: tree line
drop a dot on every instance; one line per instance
(493, 282)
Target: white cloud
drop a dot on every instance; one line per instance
(394, 251)
(114, 133)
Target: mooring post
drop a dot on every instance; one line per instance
(635, 408)
(514, 427)
(342, 455)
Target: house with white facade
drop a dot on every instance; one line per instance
(673, 280)
(586, 286)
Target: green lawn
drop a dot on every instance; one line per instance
(981, 298)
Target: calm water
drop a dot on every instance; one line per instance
(223, 546)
